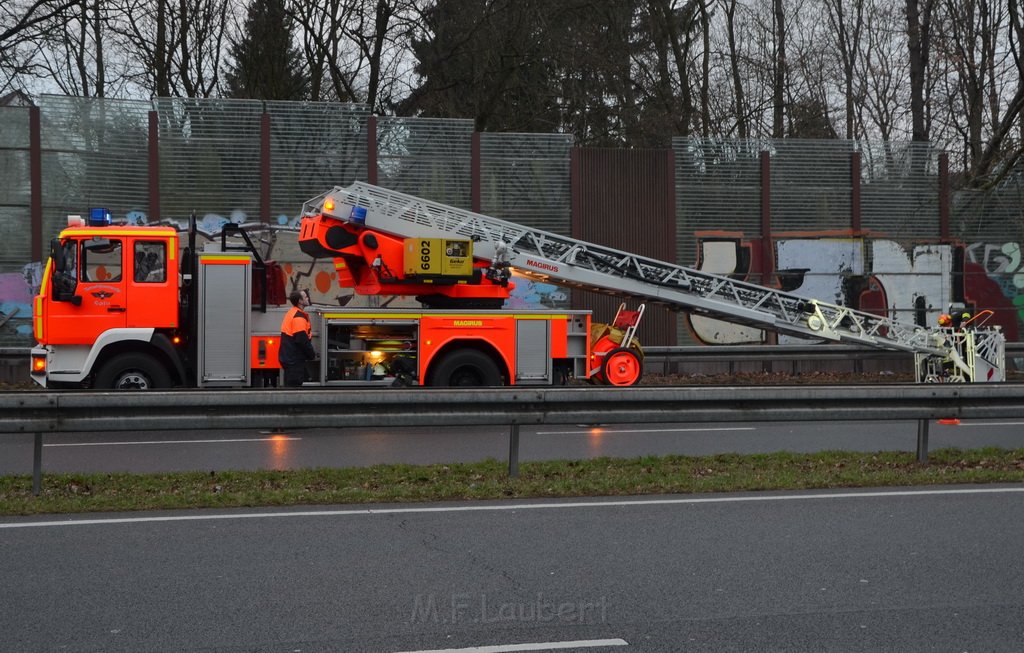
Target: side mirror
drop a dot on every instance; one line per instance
(63, 281)
(57, 255)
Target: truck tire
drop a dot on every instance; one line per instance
(622, 367)
(465, 368)
(133, 372)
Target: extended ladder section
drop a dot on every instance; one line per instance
(560, 259)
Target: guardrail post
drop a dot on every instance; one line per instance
(513, 451)
(37, 464)
(922, 441)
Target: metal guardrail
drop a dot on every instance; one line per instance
(100, 412)
(670, 359)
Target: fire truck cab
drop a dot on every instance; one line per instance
(108, 302)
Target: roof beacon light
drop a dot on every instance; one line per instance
(75, 221)
(329, 205)
(99, 218)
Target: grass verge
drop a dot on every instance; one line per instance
(77, 493)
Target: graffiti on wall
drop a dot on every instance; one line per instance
(909, 282)
(1003, 263)
(16, 292)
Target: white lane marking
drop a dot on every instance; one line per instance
(687, 430)
(513, 506)
(115, 444)
(539, 646)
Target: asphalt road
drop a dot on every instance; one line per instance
(902, 571)
(366, 445)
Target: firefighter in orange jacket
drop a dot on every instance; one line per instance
(296, 340)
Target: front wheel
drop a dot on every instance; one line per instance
(622, 367)
(466, 368)
(133, 372)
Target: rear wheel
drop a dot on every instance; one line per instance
(622, 367)
(466, 368)
(133, 372)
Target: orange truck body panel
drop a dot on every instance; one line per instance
(438, 331)
(263, 353)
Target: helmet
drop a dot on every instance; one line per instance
(965, 316)
(945, 320)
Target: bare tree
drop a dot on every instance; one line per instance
(884, 73)
(705, 69)
(185, 58)
(919, 29)
(331, 57)
(74, 55)
(995, 94)
(161, 71)
(753, 63)
(779, 70)
(670, 29)
(975, 43)
(734, 69)
(24, 25)
(846, 29)
(812, 67)
(356, 48)
(965, 45)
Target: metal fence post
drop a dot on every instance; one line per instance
(922, 441)
(513, 451)
(37, 464)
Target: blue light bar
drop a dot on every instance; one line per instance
(99, 218)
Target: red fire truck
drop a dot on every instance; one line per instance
(121, 307)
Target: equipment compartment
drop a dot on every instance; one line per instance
(370, 353)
